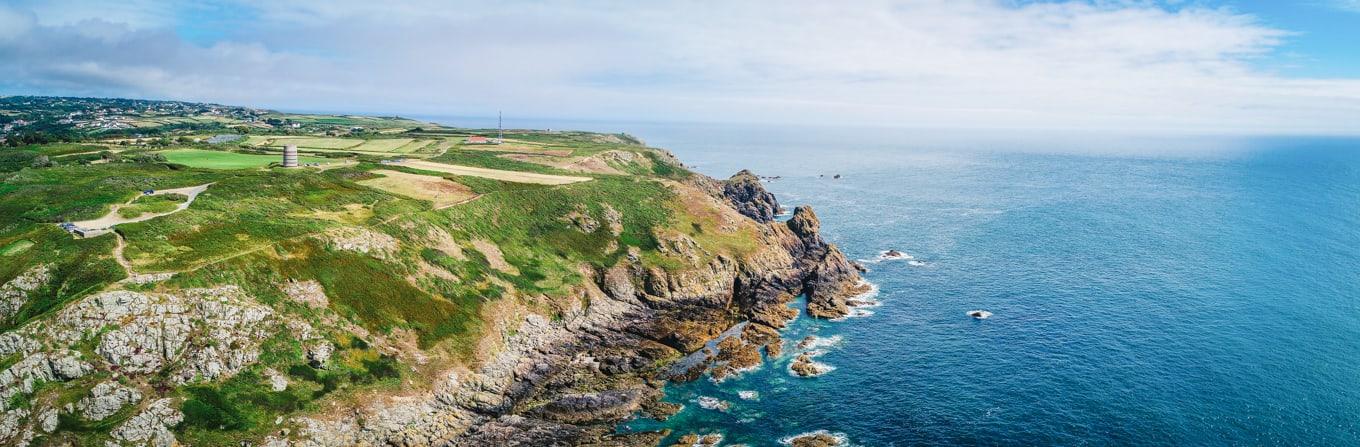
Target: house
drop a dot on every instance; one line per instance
(476, 140)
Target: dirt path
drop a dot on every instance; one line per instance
(132, 275)
(112, 218)
(494, 174)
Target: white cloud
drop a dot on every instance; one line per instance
(968, 64)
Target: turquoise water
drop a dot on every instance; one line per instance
(1206, 294)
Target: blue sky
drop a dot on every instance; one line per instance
(1157, 66)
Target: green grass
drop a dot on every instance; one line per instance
(159, 203)
(16, 247)
(383, 145)
(199, 158)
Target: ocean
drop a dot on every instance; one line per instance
(1144, 291)
(1194, 291)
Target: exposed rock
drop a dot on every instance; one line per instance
(805, 366)
(593, 407)
(750, 198)
(830, 278)
(11, 343)
(152, 426)
(48, 420)
(11, 425)
(319, 353)
(56, 366)
(713, 403)
(362, 240)
(819, 438)
(14, 294)
(613, 219)
(210, 333)
(277, 381)
(105, 399)
(309, 293)
(580, 218)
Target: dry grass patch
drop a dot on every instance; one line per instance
(441, 191)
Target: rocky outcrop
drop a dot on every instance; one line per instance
(745, 193)
(151, 427)
(14, 293)
(107, 398)
(829, 278)
(211, 333)
(55, 366)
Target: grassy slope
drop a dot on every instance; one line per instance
(260, 228)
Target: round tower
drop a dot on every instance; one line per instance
(290, 156)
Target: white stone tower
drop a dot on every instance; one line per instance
(290, 156)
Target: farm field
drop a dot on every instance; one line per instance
(198, 158)
(441, 191)
(495, 174)
(383, 145)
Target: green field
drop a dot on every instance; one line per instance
(384, 145)
(198, 158)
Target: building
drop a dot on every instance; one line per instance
(477, 140)
(290, 156)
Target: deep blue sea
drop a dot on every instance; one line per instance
(1144, 291)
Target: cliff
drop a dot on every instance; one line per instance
(351, 305)
(571, 382)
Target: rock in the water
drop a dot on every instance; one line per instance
(805, 366)
(820, 438)
(713, 403)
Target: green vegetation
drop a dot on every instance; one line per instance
(394, 272)
(199, 158)
(16, 247)
(159, 203)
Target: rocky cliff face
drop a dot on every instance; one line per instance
(561, 381)
(571, 382)
(745, 193)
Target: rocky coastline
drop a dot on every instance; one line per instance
(572, 382)
(568, 379)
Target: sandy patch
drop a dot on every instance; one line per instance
(494, 256)
(441, 191)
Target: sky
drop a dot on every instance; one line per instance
(1176, 66)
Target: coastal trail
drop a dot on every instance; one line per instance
(113, 218)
